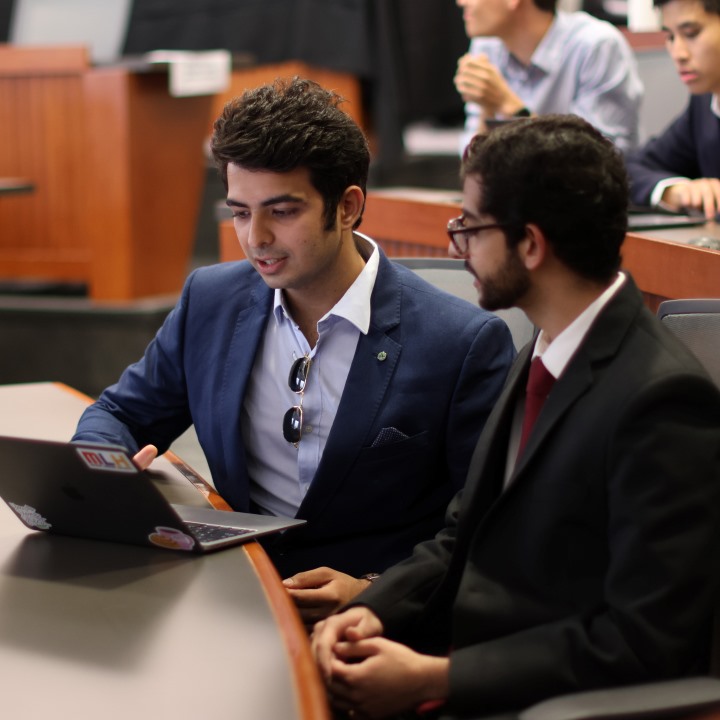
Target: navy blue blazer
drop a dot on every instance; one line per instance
(369, 504)
(690, 147)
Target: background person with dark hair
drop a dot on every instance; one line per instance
(577, 556)
(680, 169)
(527, 58)
(324, 381)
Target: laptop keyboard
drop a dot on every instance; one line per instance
(204, 533)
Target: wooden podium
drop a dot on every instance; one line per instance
(117, 166)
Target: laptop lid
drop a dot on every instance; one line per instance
(647, 218)
(95, 491)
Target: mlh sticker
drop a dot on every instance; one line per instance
(113, 460)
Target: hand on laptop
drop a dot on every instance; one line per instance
(320, 592)
(145, 456)
(701, 194)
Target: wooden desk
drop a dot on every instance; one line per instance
(411, 222)
(103, 630)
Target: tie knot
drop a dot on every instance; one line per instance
(540, 381)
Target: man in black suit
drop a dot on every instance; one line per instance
(585, 558)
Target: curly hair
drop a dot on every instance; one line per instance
(561, 174)
(290, 124)
(710, 6)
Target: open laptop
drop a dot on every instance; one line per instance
(648, 218)
(95, 491)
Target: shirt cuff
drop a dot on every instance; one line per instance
(659, 189)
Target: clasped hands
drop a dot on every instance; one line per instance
(370, 675)
(479, 81)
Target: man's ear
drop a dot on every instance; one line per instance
(350, 206)
(534, 247)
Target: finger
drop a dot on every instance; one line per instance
(145, 456)
(709, 200)
(309, 579)
(307, 598)
(349, 651)
(322, 642)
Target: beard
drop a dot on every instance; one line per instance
(503, 288)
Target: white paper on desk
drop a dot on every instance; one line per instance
(195, 73)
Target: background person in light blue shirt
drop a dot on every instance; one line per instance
(526, 58)
(324, 381)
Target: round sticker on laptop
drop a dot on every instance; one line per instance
(171, 538)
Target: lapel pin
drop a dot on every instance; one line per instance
(382, 355)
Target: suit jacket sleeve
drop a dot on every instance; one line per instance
(674, 153)
(663, 528)
(149, 403)
(663, 505)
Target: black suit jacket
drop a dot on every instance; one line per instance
(690, 147)
(597, 566)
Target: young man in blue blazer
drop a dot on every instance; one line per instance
(585, 557)
(680, 169)
(324, 381)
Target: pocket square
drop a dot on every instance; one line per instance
(389, 435)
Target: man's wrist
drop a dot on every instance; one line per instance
(370, 577)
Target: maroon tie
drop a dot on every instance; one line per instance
(539, 385)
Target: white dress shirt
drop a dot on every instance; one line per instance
(556, 354)
(280, 473)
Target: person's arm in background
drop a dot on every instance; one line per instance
(666, 171)
(609, 91)
(479, 81)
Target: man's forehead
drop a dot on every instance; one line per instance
(472, 195)
(679, 11)
(249, 186)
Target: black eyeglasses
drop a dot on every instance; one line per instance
(293, 419)
(460, 234)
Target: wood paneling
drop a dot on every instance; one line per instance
(411, 222)
(117, 165)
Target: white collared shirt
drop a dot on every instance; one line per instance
(556, 354)
(281, 474)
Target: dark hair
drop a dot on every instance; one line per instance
(290, 124)
(546, 5)
(710, 6)
(563, 175)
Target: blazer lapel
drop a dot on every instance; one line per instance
(601, 342)
(372, 369)
(239, 359)
(486, 472)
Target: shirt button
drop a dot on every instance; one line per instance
(308, 429)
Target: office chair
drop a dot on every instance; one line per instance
(697, 324)
(451, 276)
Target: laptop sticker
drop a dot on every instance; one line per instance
(114, 460)
(30, 516)
(171, 538)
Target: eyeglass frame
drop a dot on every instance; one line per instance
(472, 228)
(294, 415)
